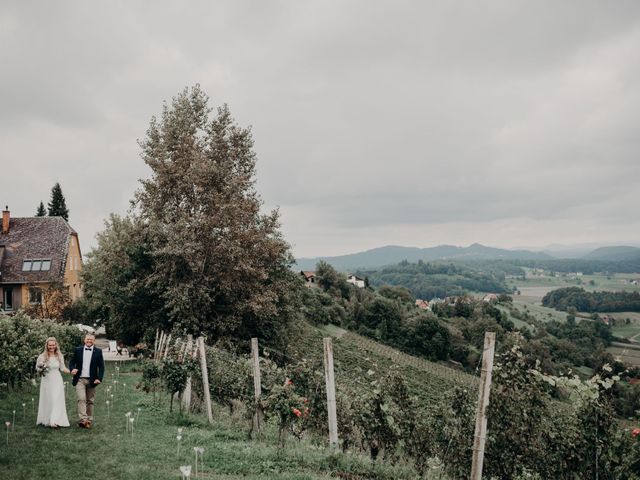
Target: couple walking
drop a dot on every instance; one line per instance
(87, 369)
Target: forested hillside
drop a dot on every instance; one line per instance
(441, 279)
(583, 301)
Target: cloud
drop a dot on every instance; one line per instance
(375, 122)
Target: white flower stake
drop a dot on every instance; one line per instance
(33, 405)
(108, 408)
(7, 424)
(13, 425)
(138, 413)
(24, 411)
(115, 386)
(178, 438)
(126, 425)
(131, 420)
(185, 470)
(199, 451)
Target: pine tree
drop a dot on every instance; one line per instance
(41, 212)
(58, 205)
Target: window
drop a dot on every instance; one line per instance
(36, 265)
(35, 295)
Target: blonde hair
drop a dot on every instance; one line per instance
(45, 355)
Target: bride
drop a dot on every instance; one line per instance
(52, 410)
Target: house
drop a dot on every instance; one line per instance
(357, 281)
(423, 305)
(607, 319)
(37, 253)
(490, 298)
(310, 279)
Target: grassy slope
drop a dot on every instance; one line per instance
(105, 451)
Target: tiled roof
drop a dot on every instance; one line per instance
(34, 238)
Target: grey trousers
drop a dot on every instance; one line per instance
(85, 394)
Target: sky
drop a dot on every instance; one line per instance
(419, 123)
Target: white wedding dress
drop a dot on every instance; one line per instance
(52, 409)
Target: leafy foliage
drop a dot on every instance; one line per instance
(583, 301)
(22, 340)
(196, 254)
(438, 279)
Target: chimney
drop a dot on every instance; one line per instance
(6, 216)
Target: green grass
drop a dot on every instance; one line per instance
(107, 452)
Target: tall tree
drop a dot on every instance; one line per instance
(58, 205)
(218, 265)
(41, 212)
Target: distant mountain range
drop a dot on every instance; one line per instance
(393, 254)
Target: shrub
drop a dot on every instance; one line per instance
(22, 340)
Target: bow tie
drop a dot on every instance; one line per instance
(89, 349)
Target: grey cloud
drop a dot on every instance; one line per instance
(366, 114)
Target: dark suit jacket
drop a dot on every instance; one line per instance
(96, 368)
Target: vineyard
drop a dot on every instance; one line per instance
(355, 355)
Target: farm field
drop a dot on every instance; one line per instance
(538, 286)
(627, 355)
(622, 329)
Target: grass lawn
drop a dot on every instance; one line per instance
(107, 451)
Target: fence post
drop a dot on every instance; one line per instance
(166, 350)
(205, 379)
(159, 349)
(480, 435)
(186, 398)
(258, 415)
(331, 392)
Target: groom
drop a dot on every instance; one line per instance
(87, 368)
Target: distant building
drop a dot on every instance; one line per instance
(310, 279)
(357, 281)
(422, 304)
(607, 319)
(490, 298)
(36, 253)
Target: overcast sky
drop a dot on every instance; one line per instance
(509, 123)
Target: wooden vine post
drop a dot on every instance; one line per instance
(186, 397)
(331, 393)
(480, 435)
(205, 379)
(258, 415)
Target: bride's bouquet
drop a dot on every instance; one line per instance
(42, 369)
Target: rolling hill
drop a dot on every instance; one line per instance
(393, 254)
